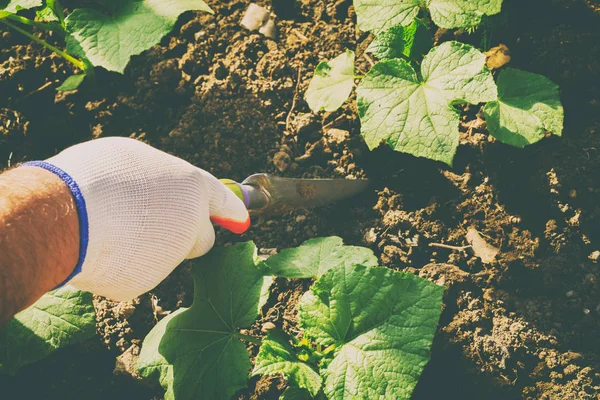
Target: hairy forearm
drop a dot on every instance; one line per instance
(39, 237)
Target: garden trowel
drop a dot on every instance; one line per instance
(268, 194)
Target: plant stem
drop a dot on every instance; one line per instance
(79, 64)
(248, 338)
(25, 21)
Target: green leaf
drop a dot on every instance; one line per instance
(196, 352)
(414, 115)
(451, 14)
(58, 319)
(376, 15)
(110, 41)
(315, 256)
(382, 324)
(71, 83)
(332, 83)
(47, 14)
(528, 105)
(17, 5)
(277, 356)
(293, 393)
(411, 42)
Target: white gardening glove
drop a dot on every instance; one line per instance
(145, 212)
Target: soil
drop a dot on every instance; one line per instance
(525, 325)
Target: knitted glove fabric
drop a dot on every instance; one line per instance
(146, 212)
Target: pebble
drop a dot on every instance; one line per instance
(370, 236)
(267, 326)
(282, 160)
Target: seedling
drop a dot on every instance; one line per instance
(106, 36)
(408, 101)
(356, 318)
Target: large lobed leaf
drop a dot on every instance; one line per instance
(451, 14)
(109, 41)
(196, 353)
(315, 256)
(58, 319)
(415, 115)
(332, 83)
(528, 105)
(277, 356)
(382, 323)
(377, 15)
(13, 6)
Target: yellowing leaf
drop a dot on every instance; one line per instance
(332, 83)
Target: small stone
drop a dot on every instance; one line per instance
(269, 29)
(370, 236)
(267, 326)
(305, 124)
(254, 17)
(125, 364)
(282, 160)
(337, 136)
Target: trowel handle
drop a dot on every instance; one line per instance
(253, 197)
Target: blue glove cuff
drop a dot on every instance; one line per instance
(81, 212)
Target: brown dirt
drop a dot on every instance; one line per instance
(525, 326)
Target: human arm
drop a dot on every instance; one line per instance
(139, 213)
(39, 237)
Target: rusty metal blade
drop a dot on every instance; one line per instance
(275, 195)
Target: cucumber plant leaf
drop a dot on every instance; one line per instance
(196, 352)
(17, 5)
(315, 256)
(528, 106)
(277, 356)
(71, 83)
(111, 40)
(47, 14)
(58, 319)
(382, 324)
(294, 393)
(375, 15)
(411, 42)
(451, 14)
(332, 83)
(414, 114)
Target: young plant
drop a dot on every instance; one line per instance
(408, 101)
(106, 36)
(360, 323)
(58, 319)
(197, 352)
(377, 15)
